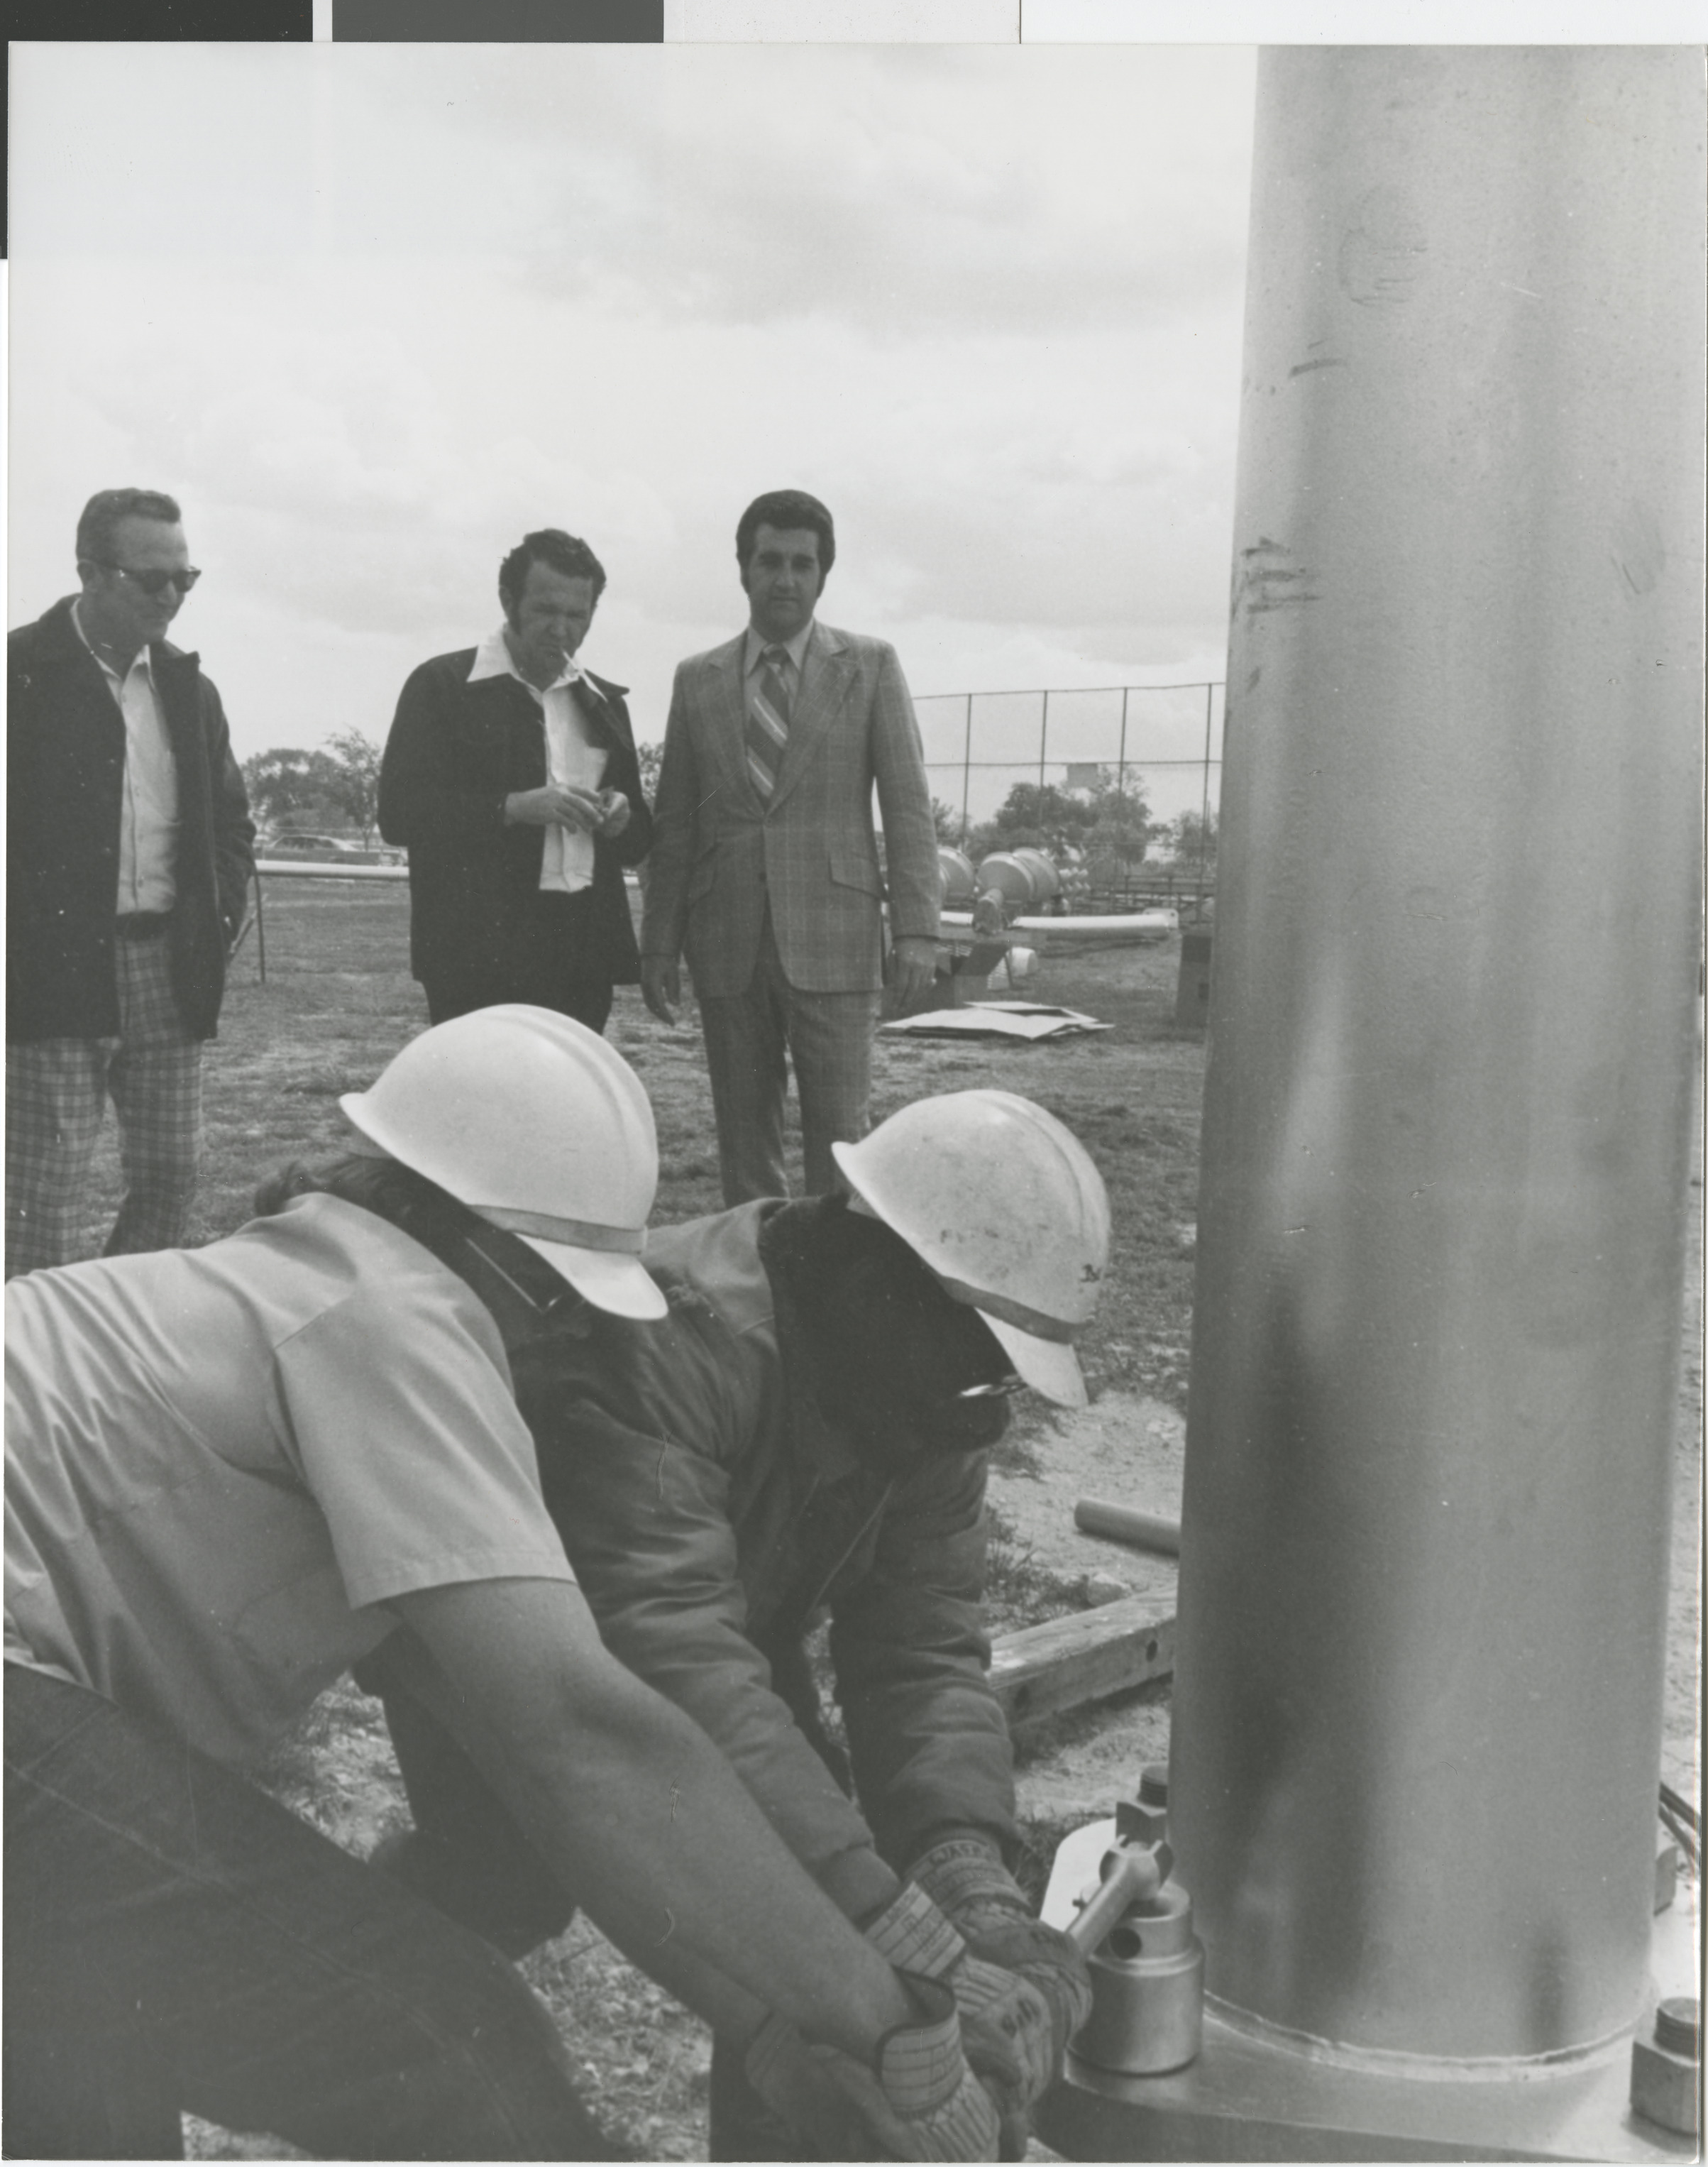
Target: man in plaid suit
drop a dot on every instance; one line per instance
(765, 866)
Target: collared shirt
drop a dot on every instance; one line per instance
(148, 807)
(573, 760)
(793, 672)
(205, 1523)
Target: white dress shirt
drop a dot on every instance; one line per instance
(148, 805)
(573, 760)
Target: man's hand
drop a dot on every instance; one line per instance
(912, 970)
(615, 812)
(661, 987)
(965, 1876)
(921, 2101)
(555, 805)
(1007, 2024)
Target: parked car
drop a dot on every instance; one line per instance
(322, 849)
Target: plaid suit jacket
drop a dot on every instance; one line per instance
(720, 853)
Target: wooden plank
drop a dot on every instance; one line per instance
(1047, 1668)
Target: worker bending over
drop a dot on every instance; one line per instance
(809, 1428)
(233, 1471)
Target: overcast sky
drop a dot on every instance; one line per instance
(371, 313)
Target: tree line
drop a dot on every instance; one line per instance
(337, 786)
(1110, 818)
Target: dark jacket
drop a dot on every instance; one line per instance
(711, 1513)
(455, 753)
(65, 776)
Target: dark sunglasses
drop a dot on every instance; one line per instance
(152, 583)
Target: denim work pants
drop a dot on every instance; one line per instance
(175, 1940)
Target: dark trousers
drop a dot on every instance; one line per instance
(546, 964)
(175, 1940)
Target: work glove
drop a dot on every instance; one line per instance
(919, 2101)
(967, 1879)
(1005, 2023)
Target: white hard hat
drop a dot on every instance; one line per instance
(1004, 1206)
(540, 1127)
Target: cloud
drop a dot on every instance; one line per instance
(985, 302)
(901, 188)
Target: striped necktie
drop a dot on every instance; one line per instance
(767, 722)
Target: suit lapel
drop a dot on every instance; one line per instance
(603, 716)
(729, 716)
(175, 674)
(830, 668)
(506, 708)
(83, 686)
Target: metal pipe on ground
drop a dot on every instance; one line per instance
(1156, 922)
(1126, 1523)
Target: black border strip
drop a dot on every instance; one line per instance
(499, 22)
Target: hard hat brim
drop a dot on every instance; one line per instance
(1050, 1366)
(619, 1284)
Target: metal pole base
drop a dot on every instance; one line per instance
(1262, 2097)
(1248, 2099)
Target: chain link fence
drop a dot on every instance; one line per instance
(1160, 742)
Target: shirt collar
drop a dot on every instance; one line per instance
(492, 658)
(795, 649)
(142, 654)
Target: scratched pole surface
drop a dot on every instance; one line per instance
(1423, 1567)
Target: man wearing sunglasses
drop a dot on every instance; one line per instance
(807, 1433)
(129, 849)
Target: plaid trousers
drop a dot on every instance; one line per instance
(56, 1091)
